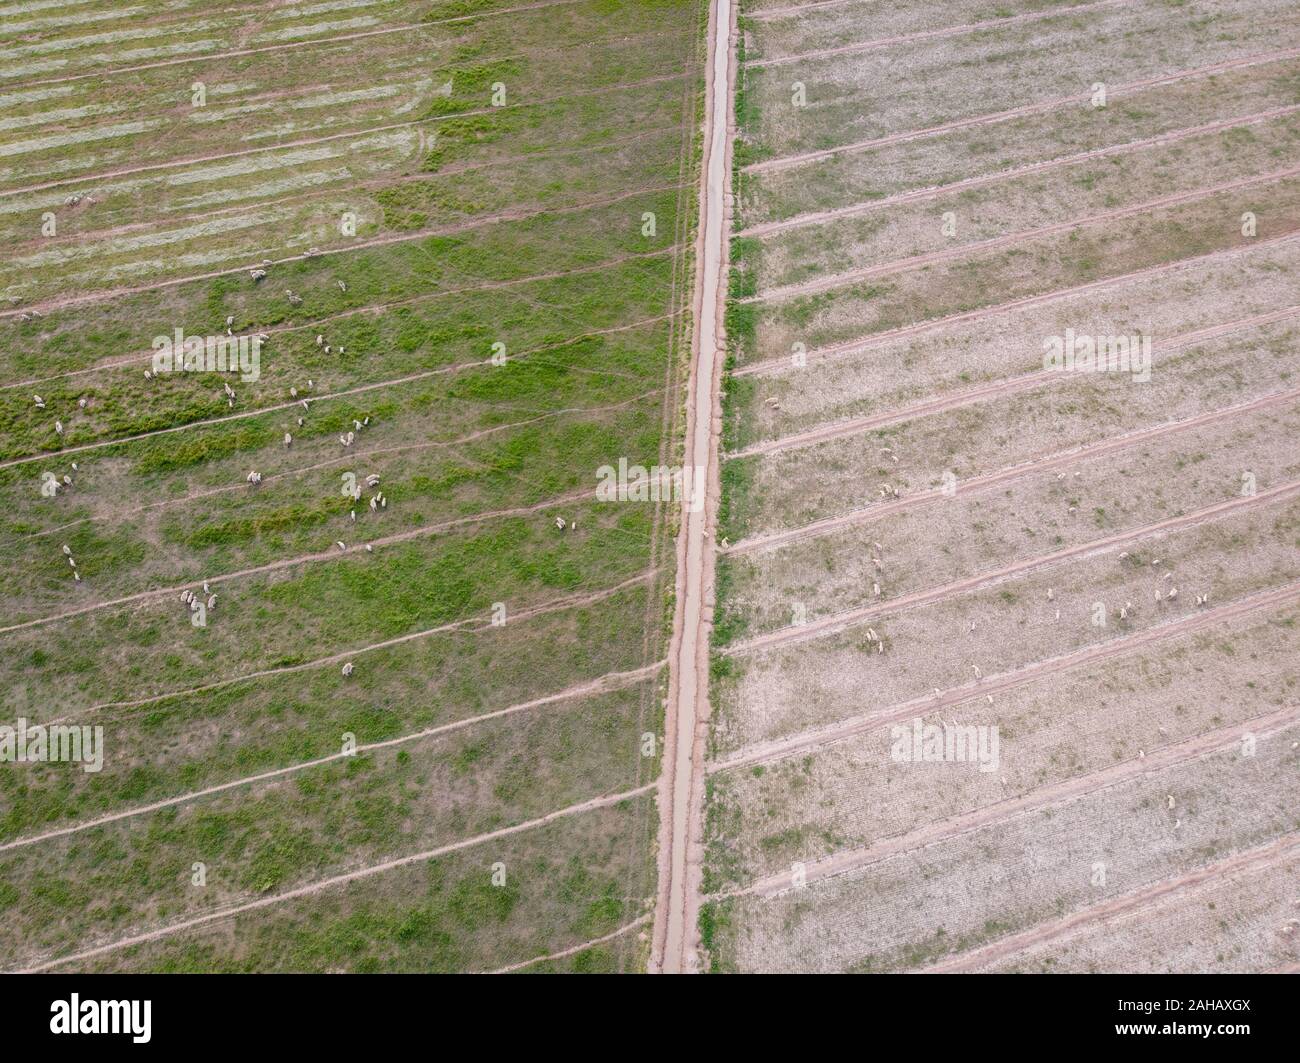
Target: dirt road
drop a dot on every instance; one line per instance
(681, 787)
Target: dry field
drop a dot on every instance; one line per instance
(930, 531)
(413, 720)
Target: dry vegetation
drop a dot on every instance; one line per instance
(921, 522)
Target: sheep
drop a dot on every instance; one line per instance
(82, 403)
(352, 513)
(1203, 599)
(369, 549)
(254, 477)
(288, 439)
(327, 348)
(341, 545)
(1169, 802)
(230, 320)
(1051, 594)
(58, 428)
(347, 669)
(875, 589)
(293, 393)
(212, 602)
(976, 669)
(559, 523)
(72, 563)
(205, 587)
(880, 567)
(76, 576)
(74, 466)
(1173, 593)
(372, 480)
(303, 404)
(257, 274)
(374, 504)
(342, 287)
(300, 422)
(67, 550)
(319, 340)
(148, 375)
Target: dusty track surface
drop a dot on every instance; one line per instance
(1242, 863)
(1062, 460)
(1070, 789)
(995, 684)
(776, 365)
(681, 789)
(1018, 112)
(837, 280)
(839, 621)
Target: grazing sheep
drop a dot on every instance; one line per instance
(67, 550)
(372, 480)
(559, 523)
(288, 439)
(875, 589)
(319, 340)
(255, 477)
(257, 274)
(341, 545)
(293, 393)
(1173, 593)
(347, 669)
(212, 602)
(58, 428)
(342, 287)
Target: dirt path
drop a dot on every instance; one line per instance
(681, 786)
(935, 35)
(993, 389)
(1018, 112)
(916, 195)
(837, 622)
(1033, 801)
(776, 749)
(602, 685)
(776, 366)
(1062, 459)
(338, 880)
(838, 280)
(1245, 862)
(625, 928)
